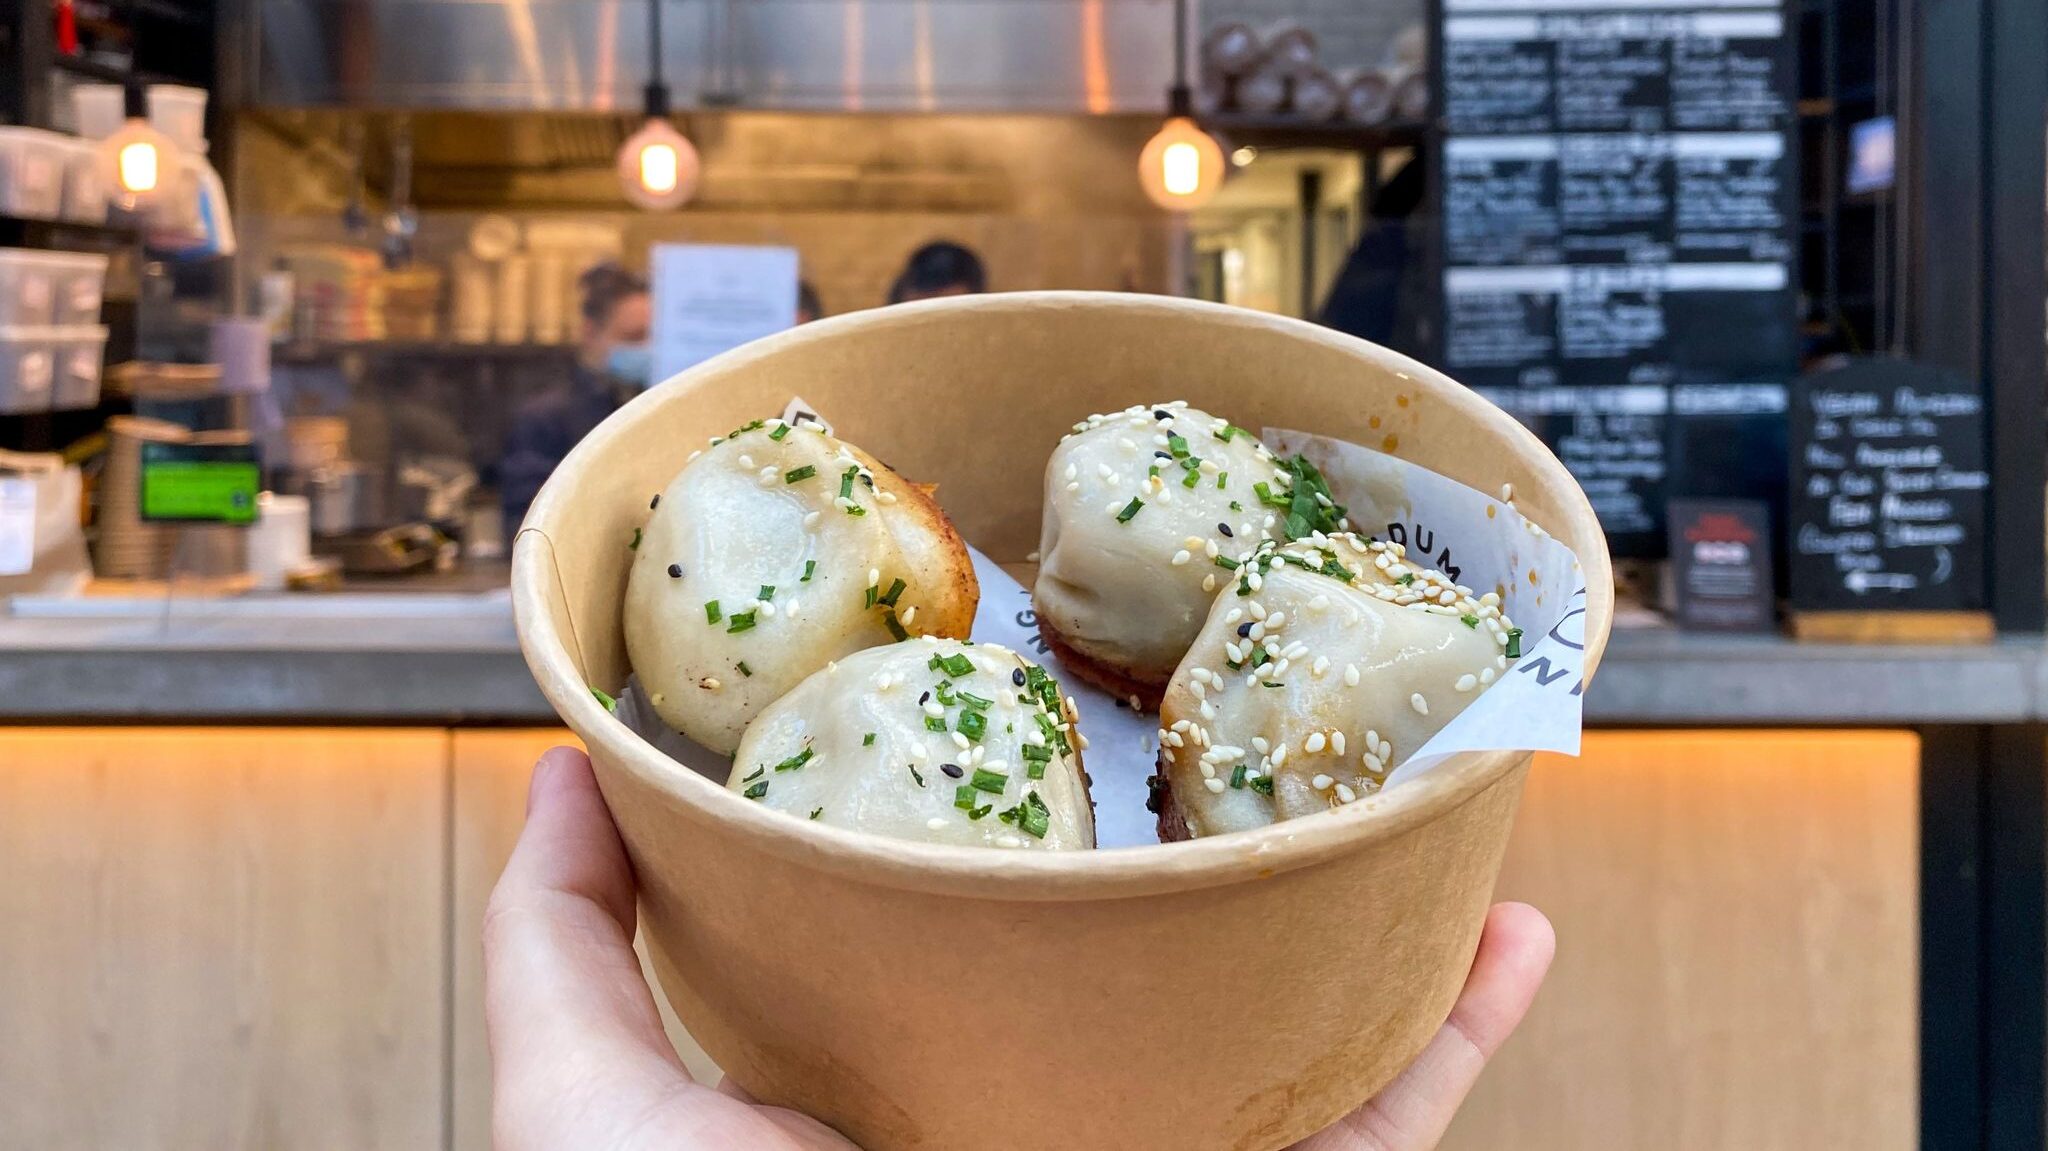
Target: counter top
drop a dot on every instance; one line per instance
(453, 659)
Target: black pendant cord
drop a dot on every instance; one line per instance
(657, 90)
(1179, 101)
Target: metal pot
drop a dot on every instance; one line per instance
(340, 496)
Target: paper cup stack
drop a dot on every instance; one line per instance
(1235, 992)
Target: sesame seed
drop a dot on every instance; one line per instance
(1181, 557)
(1350, 675)
(1209, 582)
(1321, 782)
(1196, 686)
(1385, 750)
(1507, 493)
(1279, 755)
(1374, 765)
(952, 770)
(746, 461)
(935, 823)
(710, 683)
(1276, 621)
(1319, 603)
(885, 498)
(1466, 682)
(1321, 665)
(1337, 742)
(960, 741)
(1257, 609)
(1255, 631)
(1072, 471)
(1213, 784)
(1501, 662)
(1372, 739)
(909, 614)
(1345, 794)
(1208, 710)
(1314, 743)
(1420, 704)
(1208, 769)
(1486, 675)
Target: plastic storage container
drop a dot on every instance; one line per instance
(77, 355)
(39, 289)
(31, 173)
(85, 189)
(180, 113)
(27, 370)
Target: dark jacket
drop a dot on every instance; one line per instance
(543, 430)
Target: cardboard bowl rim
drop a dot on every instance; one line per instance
(1108, 873)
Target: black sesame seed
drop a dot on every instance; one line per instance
(952, 770)
(1225, 529)
(1017, 676)
(1244, 631)
(655, 502)
(923, 698)
(1161, 414)
(1162, 455)
(675, 571)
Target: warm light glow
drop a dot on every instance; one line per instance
(139, 164)
(1182, 166)
(657, 167)
(1243, 156)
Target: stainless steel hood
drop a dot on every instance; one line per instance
(854, 55)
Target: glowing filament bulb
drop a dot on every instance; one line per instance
(1183, 168)
(658, 168)
(139, 163)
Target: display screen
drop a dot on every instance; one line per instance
(195, 483)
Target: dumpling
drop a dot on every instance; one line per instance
(942, 742)
(1326, 665)
(1138, 506)
(774, 551)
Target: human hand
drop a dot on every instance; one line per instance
(579, 1059)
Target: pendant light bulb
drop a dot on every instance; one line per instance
(1182, 166)
(658, 167)
(136, 162)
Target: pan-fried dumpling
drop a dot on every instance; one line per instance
(1138, 505)
(1325, 665)
(936, 741)
(774, 551)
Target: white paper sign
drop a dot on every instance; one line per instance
(711, 298)
(17, 525)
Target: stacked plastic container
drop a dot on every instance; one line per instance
(51, 342)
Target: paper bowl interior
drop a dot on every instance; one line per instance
(1147, 996)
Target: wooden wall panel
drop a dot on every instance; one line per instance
(492, 769)
(1737, 918)
(222, 939)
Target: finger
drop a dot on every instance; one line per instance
(1413, 1112)
(562, 986)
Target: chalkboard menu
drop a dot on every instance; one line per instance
(1888, 489)
(1616, 199)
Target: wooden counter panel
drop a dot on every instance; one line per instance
(492, 769)
(228, 938)
(1737, 969)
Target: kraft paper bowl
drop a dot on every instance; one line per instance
(1235, 992)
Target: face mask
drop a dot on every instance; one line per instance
(630, 363)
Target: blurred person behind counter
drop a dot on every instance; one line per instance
(940, 268)
(612, 365)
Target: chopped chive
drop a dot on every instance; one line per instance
(977, 813)
(846, 483)
(610, 704)
(1034, 770)
(1130, 509)
(1405, 579)
(1237, 776)
(1229, 431)
(873, 593)
(895, 627)
(974, 701)
(1221, 479)
(915, 774)
(767, 592)
(816, 812)
(1036, 818)
(1037, 752)
(957, 665)
(711, 613)
(635, 545)
(757, 791)
(799, 475)
(741, 621)
(972, 724)
(1471, 621)
(963, 797)
(1514, 643)
(757, 773)
(796, 761)
(889, 597)
(1234, 505)
(934, 723)
(868, 740)
(744, 669)
(779, 432)
(854, 509)
(1226, 563)
(1190, 479)
(810, 567)
(1177, 444)
(992, 782)
(1263, 785)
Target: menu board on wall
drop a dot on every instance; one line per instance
(1617, 204)
(1888, 489)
